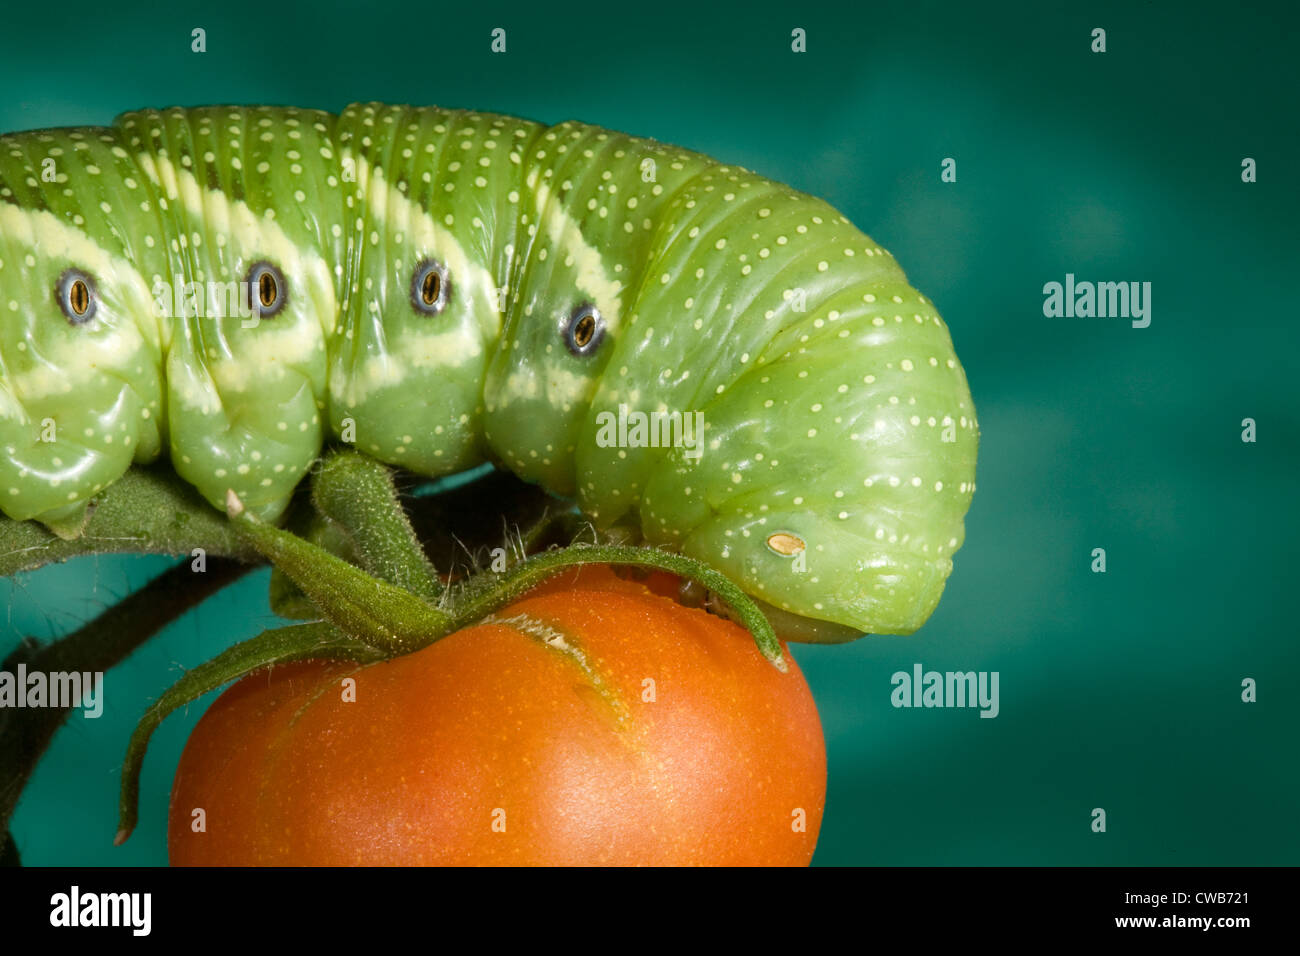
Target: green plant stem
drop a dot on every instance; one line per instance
(357, 492)
(147, 510)
(286, 598)
(293, 643)
(373, 611)
(97, 645)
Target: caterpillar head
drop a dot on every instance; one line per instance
(80, 388)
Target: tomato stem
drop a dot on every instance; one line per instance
(358, 493)
(286, 598)
(375, 612)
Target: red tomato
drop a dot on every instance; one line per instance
(592, 722)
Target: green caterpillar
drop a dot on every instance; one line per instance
(235, 286)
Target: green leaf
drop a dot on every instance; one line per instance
(147, 511)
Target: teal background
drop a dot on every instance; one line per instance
(1118, 690)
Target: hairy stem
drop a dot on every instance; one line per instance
(373, 611)
(357, 492)
(286, 598)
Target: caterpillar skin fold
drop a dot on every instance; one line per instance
(232, 287)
